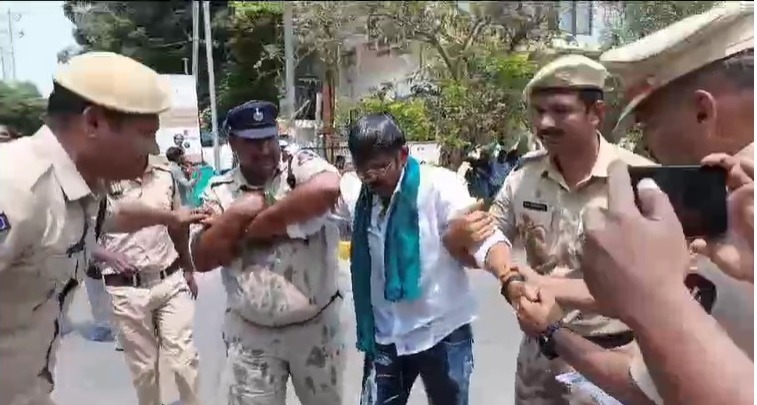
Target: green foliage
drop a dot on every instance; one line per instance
(21, 107)
(156, 33)
(632, 20)
(254, 67)
(410, 113)
(475, 62)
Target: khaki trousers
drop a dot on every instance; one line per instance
(261, 360)
(156, 319)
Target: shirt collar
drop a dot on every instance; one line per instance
(69, 178)
(242, 185)
(605, 155)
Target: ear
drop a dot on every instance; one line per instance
(91, 119)
(404, 153)
(597, 113)
(706, 111)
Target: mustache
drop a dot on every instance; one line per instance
(549, 132)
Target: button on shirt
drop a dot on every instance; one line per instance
(447, 301)
(150, 249)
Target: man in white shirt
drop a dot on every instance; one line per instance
(413, 310)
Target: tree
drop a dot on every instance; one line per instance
(410, 113)
(156, 33)
(321, 29)
(629, 21)
(477, 62)
(21, 107)
(254, 66)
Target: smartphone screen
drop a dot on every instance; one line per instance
(698, 195)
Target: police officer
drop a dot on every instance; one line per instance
(153, 307)
(280, 265)
(541, 203)
(100, 102)
(691, 86)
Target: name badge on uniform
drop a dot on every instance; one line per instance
(534, 206)
(5, 224)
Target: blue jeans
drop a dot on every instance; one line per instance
(445, 370)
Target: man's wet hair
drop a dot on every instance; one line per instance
(588, 96)
(375, 134)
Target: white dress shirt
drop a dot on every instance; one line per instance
(446, 302)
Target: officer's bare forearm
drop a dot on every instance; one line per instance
(723, 374)
(307, 201)
(607, 369)
(133, 216)
(180, 239)
(572, 293)
(217, 244)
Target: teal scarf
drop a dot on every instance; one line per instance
(402, 253)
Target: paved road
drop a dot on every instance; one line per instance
(94, 373)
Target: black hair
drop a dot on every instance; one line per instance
(173, 154)
(64, 102)
(375, 134)
(588, 96)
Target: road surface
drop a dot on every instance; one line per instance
(94, 373)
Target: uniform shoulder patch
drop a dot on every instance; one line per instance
(219, 180)
(533, 156)
(5, 224)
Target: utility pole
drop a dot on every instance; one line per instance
(9, 61)
(211, 83)
(195, 38)
(289, 55)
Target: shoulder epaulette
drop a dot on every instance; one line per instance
(533, 156)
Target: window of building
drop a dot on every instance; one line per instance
(576, 17)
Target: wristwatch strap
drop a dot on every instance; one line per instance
(546, 343)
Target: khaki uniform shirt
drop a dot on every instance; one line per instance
(150, 249)
(46, 231)
(733, 308)
(537, 193)
(287, 281)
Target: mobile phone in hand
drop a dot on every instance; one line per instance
(698, 195)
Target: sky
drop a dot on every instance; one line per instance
(46, 31)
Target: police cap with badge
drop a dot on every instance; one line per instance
(567, 72)
(252, 120)
(256, 120)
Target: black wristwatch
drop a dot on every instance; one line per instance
(546, 344)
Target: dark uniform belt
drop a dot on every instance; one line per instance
(333, 298)
(613, 340)
(124, 280)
